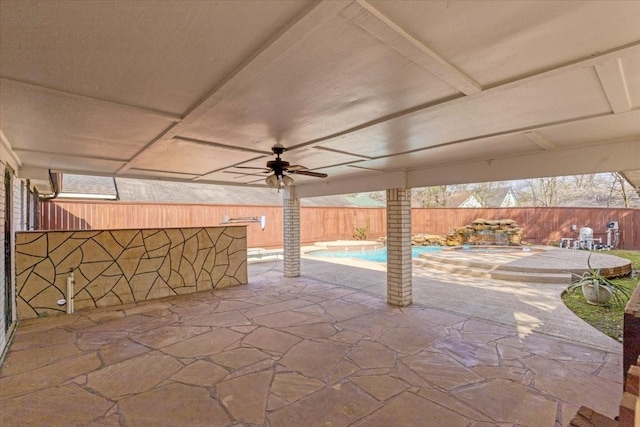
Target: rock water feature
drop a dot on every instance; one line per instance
(488, 232)
(499, 232)
(422, 239)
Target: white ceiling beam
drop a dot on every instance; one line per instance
(34, 173)
(528, 132)
(611, 75)
(382, 28)
(591, 61)
(539, 140)
(333, 150)
(7, 153)
(381, 181)
(225, 146)
(597, 158)
(97, 101)
(306, 23)
(69, 155)
(41, 186)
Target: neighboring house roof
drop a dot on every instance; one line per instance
(470, 202)
(152, 191)
(458, 199)
(502, 197)
(331, 201)
(365, 202)
(88, 187)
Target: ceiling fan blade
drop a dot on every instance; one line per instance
(294, 168)
(309, 173)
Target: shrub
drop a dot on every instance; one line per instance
(361, 233)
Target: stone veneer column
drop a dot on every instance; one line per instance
(291, 234)
(399, 287)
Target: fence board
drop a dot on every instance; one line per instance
(541, 225)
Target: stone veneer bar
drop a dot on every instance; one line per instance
(113, 267)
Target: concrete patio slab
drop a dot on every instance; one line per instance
(529, 306)
(310, 351)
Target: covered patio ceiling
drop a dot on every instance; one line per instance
(376, 94)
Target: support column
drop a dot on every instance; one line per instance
(291, 233)
(399, 279)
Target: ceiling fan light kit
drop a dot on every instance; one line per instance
(272, 181)
(279, 181)
(287, 181)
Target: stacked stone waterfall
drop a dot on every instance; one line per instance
(422, 239)
(486, 232)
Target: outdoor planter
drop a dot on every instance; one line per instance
(597, 296)
(596, 288)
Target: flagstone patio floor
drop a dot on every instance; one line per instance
(296, 352)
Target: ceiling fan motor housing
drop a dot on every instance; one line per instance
(277, 166)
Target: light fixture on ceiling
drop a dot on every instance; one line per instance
(287, 181)
(272, 181)
(281, 170)
(279, 181)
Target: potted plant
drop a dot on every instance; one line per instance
(596, 288)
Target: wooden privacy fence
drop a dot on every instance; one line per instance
(62, 215)
(541, 225)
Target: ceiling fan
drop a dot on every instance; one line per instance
(281, 169)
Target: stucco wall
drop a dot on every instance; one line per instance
(113, 267)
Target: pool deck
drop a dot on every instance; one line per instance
(537, 264)
(527, 306)
(541, 265)
(540, 259)
(323, 349)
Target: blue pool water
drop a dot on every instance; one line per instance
(377, 255)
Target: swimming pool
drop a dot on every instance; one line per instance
(377, 255)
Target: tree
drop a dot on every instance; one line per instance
(542, 191)
(485, 192)
(432, 197)
(619, 188)
(582, 182)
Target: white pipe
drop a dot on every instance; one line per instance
(70, 282)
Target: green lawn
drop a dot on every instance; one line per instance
(606, 319)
